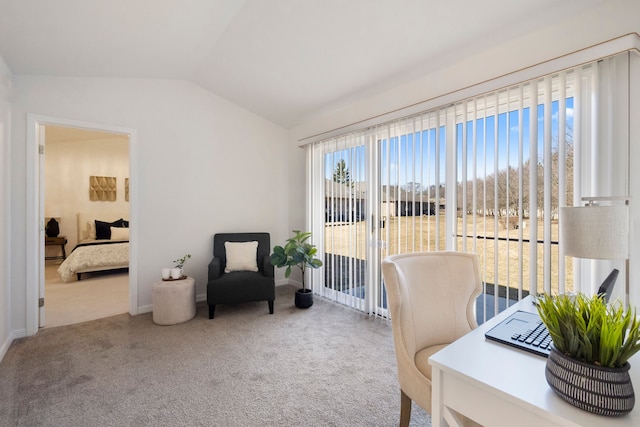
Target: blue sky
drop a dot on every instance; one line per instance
(402, 169)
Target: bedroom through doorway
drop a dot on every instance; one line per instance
(86, 175)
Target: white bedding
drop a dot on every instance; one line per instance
(94, 258)
(107, 256)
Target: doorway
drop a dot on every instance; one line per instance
(71, 155)
(36, 140)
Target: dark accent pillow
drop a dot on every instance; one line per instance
(120, 223)
(103, 229)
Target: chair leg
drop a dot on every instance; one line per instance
(212, 309)
(270, 306)
(405, 409)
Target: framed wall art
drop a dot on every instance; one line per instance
(102, 188)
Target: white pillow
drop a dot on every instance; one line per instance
(241, 256)
(91, 229)
(119, 233)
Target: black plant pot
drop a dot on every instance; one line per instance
(304, 298)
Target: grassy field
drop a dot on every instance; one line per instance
(499, 259)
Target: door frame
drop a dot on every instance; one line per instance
(35, 211)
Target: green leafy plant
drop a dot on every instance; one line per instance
(179, 263)
(296, 253)
(590, 330)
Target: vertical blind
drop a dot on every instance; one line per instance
(485, 174)
(340, 197)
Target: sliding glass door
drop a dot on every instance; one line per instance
(341, 172)
(486, 175)
(381, 193)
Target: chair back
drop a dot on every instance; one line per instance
(431, 298)
(263, 239)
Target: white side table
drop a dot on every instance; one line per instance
(174, 301)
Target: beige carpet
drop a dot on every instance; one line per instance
(324, 366)
(94, 297)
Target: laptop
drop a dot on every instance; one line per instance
(525, 331)
(606, 287)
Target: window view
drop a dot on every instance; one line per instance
(344, 232)
(509, 193)
(412, 185)
(485, 175)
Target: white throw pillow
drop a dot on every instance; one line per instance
(241, 256)
(91, 229)
(119, 233)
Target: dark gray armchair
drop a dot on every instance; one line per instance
(240, 286)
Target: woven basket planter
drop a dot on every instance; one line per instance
(596, 389)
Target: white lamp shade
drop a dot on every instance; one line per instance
(596, 232)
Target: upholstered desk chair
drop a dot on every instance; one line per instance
(431, 303)
(240, 270)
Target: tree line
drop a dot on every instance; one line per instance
(497, 194)
(500, 194)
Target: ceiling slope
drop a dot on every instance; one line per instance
(286, 60)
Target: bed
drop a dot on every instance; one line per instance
(103, 244)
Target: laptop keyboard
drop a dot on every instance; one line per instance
(537, 337)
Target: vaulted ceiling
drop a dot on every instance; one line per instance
(286, 60)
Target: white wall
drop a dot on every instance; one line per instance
(68, 166)
(5, 127)
(203, 166)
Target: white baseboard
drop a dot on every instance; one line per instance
(20, 333)
(145, 309)
(5, 346)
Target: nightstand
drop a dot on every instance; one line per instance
(56, 241)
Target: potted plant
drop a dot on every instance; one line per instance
(297, 253)
(177, 272)
(592, 343)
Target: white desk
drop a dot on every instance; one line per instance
(497, 385)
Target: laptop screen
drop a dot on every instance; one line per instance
(606, 287)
